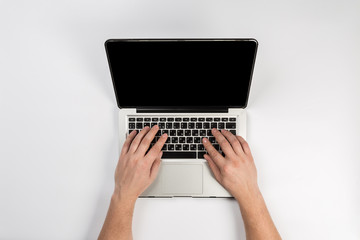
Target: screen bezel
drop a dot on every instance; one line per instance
(180, 39)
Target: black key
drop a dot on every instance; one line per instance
(213, 125)
(146, 124)
(182, 139)
(177, 119)
(168, 140)
(139, 119)
(193, 147)
(193, 119)
(232, 119)
(170, 119)
(208, 133)
(153, 124)
(164, 147)
(178, 147)
(233, 132)
(230, 125)
(184, 125)
(191, 125)
(195, 132)
(147, 119)
(206, 125)
(139, 125)
(165, 131)
(203, 133)
(185, 119)
(212, 139)
(200, 154)
(155, 119)
(161, 125)
(198, 125)
(180, 132)
(162, 119)
(200, 147)
(209, 119)
(179, 154)
(187, 132)
(216, 146)
(186, 147)
(201, 119)
(174, 140)
(172, 132)
(131, 125)
(224, 119)
(170, 147)
(169, 125)
(197, 139)
(189, 140)
(131, 119)
(176, 125)
(217, 119)
(221, 125)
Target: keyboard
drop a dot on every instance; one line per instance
(184, 133)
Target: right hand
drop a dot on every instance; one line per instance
(236, 172)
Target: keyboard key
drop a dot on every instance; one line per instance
(185, 119)
(131, 125)
(182, 154)
(155, 119)
(176, 125)
(195, 132)
(216, 119)
(180, 132)
(139, 119)
(224, 119)
(162, 119)
(170, 147)
(232, 119)
(209, 119)
(178, 147)
(201, 154)
(177, 119)
(139, 125)
(193, 119)
(189, 140)
(182, 139)
(186, 147)
(187, 132)
(147, 119)
(198, 125)
(131, 119)
(230, 125)
(170, 119)
(184, 125)
(172, 132)
(200, 119)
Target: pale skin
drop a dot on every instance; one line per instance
(236, 172)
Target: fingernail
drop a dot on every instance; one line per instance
(164, 135)
(205, 140)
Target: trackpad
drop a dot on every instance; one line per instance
(182, 179)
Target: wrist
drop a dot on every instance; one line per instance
(248, 194)
(122, 200)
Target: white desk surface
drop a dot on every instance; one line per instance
(58, 131)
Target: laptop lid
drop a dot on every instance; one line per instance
(181, 73)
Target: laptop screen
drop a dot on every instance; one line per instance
(187, 73)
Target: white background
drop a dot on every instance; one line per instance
(58, 116)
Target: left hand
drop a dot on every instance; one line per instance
(136, 169)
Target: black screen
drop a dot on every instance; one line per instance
(188, 73)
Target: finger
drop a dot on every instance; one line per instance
(235, 143)
(127, 142)
(156, 149)
(224, 144)
(136, 142)
(244, 145)
(214, 168)
(214, 154)
(155, 167)
(146, 141)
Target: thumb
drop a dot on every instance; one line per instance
(155, 167)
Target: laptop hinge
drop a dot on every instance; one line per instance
(183, 110)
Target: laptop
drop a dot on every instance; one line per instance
(186, 87)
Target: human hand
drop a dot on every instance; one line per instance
(236, 172)
(136, 169)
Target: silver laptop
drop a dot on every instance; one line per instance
(186, 87)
